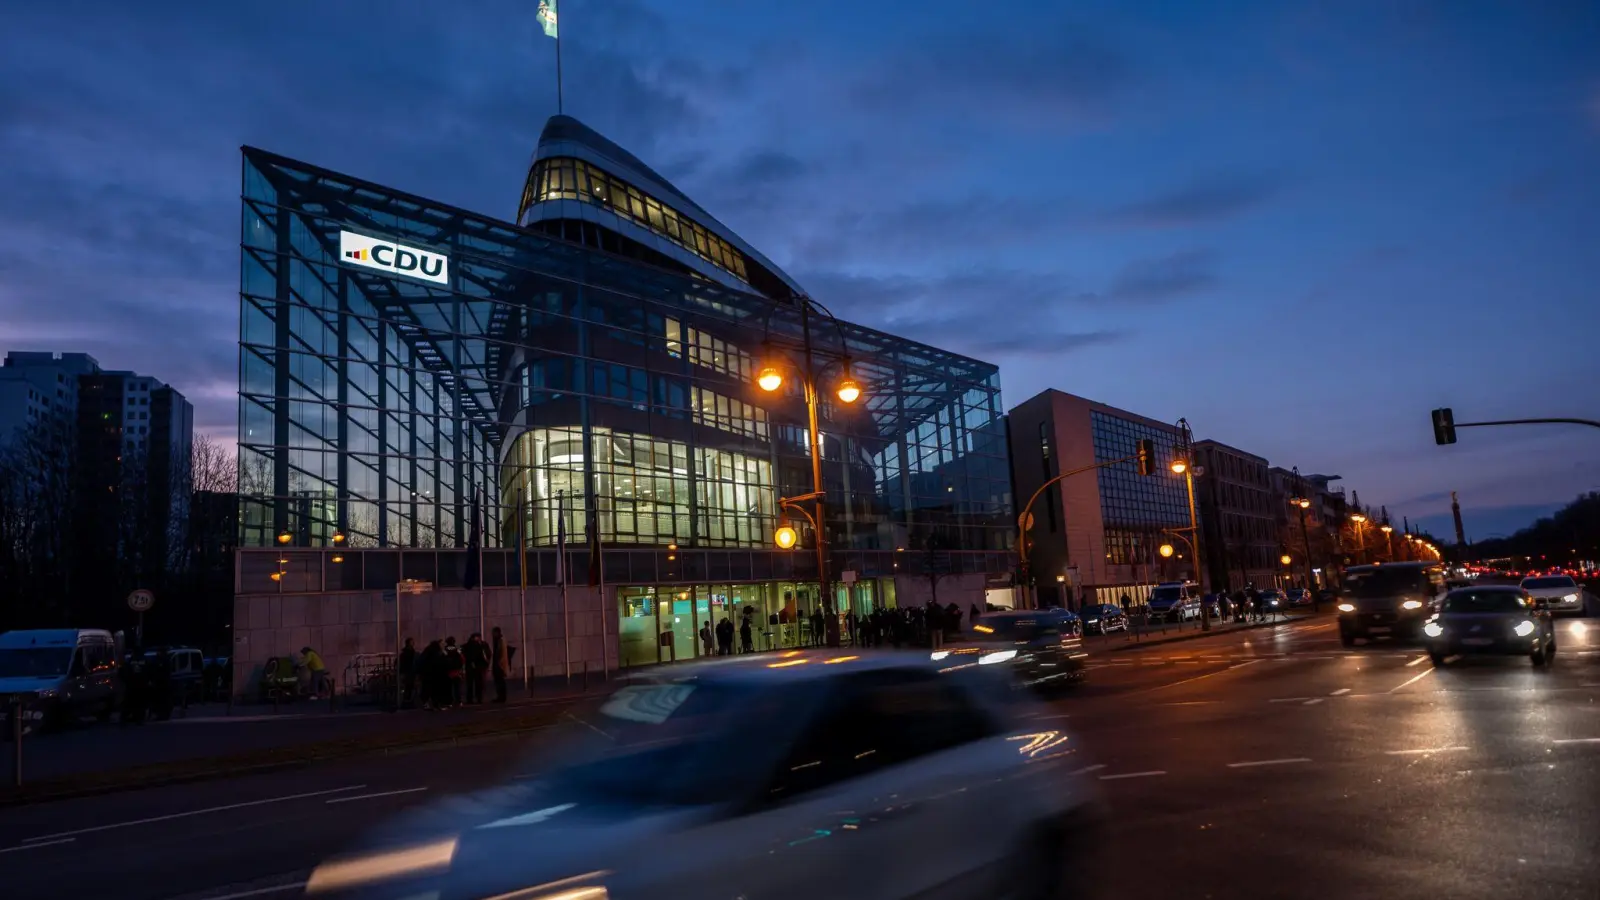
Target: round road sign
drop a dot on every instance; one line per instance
(141, 600)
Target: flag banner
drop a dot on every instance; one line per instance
(547, 17)
(561, 542)
(593, 540)
(474, 574)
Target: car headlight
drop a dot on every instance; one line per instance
(1524, 629)
(1433, 629)
(1347, 607)
(938, 655)
(1570, 598)
(1411, 604)
(989, 659)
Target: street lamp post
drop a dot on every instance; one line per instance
(848, 390)
(1388, 539)
(1144, 457)
(1304, 503)
(1184, 465)
(1361, 536)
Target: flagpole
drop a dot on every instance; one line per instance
(558, 70)
(483, 538)
(561, 566)
(522, 573)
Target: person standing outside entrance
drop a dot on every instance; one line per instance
(318, 670)
(500, 660)
(476, 657)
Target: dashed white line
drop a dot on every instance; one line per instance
(1268, 762)
(1424, 750)
(1576, 741)
(1417, 662)
(193, 812)
(1288, 699)
(1314, 701)
(1340, 692)
(36, 844)
(1191, 703)
(1087, 769)
(375, 796)
(1132, 775)
(1413, 679)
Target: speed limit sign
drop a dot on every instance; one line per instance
(141, 600)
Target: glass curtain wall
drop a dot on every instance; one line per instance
(545, 375)
(1136, 508)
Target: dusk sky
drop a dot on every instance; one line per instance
(1301, 225)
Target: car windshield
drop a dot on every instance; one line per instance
(1550, 581)
(678, 744)
(1166, 594)
(1484, 602)
(35, 662)
(1384, 582)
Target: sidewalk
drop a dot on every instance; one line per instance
(214, 740)
(1153, 635)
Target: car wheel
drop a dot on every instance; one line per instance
(1047, 867)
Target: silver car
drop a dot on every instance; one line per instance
(799, 775)
(1560, 592)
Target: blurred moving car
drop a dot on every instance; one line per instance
(1269, 601)
(1297, 597)
(1561, 592)
(1039, 648)
(792, 777)
(1104, 618)
(1173, 601)
(1388, 600)
(1494, 619)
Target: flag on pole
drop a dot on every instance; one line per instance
(561, 540)
(596, 576)
(547, 17)
(474, 573)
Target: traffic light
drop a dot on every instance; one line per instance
(1147, 456)
(1444, 426)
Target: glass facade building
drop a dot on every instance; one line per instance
(412, 374)
(1135, 509)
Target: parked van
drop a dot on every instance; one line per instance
(60, 675)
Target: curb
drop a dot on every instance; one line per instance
(1197, 635)
(277, 759)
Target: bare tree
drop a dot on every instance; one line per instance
(213, 466)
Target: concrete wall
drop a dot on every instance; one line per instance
(341, 625)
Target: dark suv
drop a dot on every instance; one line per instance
(1388, 600)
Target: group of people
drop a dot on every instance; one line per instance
(718, 641)
(445, 675)
(911, 626)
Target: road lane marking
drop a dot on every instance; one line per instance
(1054, 716)
(1423, 750)
(1231, 668)
(1191, 702)
(374, 796)
(1268, 762)
(1087, 769)
(1314, 701)
(1132, 775)
(1413, 679)
(1417, 662)
(1340, 692)
(1576, 741)
(37, 844)
(193, 812)
(1288, 699)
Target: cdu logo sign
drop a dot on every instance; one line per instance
(360, 250)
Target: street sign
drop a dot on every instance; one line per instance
(141, 600)
(848, 576)
(414, 587)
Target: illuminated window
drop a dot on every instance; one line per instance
(728, 414)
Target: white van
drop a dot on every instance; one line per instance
(59, 674)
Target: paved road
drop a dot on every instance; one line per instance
(1264, 764)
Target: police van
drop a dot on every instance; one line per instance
(57, 675)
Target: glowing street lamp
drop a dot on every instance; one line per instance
(285, 537)
(1179, 466)
(786, 536)
(1166, 551)
(849, 391)
(770, 379)
(1285, 559)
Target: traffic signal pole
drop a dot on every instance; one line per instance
(1146, 459)
(1445, 425)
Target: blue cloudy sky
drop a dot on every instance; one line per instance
(1299, 224)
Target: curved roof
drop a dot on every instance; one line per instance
(565, 136)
